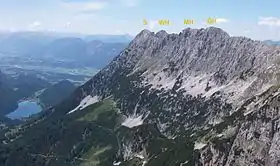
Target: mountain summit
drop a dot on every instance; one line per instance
(209, 56)
(200, 97)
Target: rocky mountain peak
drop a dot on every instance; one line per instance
(161, 33)
(216, 31)
(210, 54)
(144, 33)
(212, 32)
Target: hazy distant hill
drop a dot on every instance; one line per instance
(110, 38)
(94, 54)
(271, 42)
(99, 54)
(86, 50)
(66, 48)
(24, 43)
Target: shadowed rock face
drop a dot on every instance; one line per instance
(201, 93)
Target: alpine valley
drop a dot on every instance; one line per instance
(197, 98)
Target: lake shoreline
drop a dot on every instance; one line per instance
(25, 109)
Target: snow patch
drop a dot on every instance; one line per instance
(141, 156)
(174, 137)
(199, 145)
(133, 121)
(87, 101)
(144, 163)
(182, 164)
(117, 163)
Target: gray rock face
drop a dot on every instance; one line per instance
(208, 54)
(256, 141)
(219, 90)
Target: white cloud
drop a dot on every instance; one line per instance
(205, 23)
(68, 24)
(34, 25)
(221, 20)
(270, 21)
(152, 24)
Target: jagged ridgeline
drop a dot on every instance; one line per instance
(199, 97)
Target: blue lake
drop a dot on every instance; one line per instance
(25, 109)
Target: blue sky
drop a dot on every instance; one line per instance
(258, 19)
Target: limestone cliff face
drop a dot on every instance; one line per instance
(202, 59)
(255, 140)
(211, 57)
(200, 81)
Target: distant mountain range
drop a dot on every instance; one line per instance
(94, 53)
(271, 42)
(109, 38)
(30, 35)
(89, 50)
